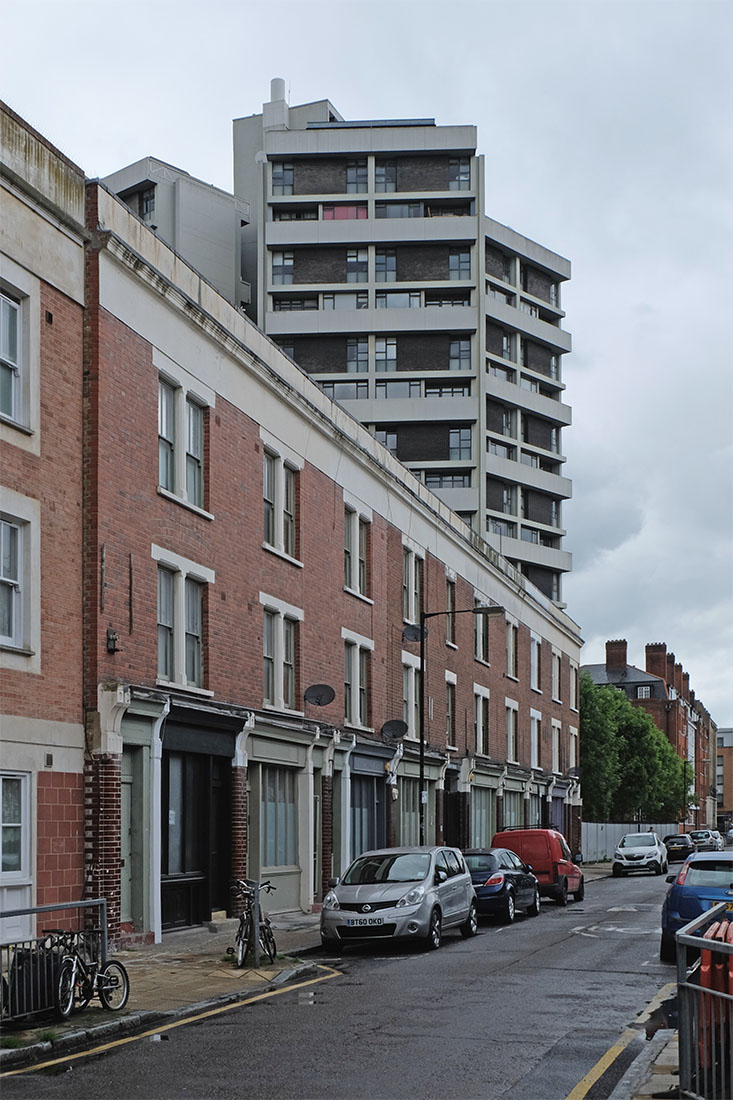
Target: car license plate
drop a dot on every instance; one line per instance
(361, 922)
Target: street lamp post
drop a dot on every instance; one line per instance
(411, 634)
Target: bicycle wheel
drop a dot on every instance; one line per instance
(114, 986)
(243, 946)
(267, 941)
(65, 990)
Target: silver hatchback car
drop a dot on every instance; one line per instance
(400, 893)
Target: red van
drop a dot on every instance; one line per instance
(546, 851)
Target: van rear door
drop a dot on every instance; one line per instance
(536, 852)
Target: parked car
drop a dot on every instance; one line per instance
(703, 840)
(705, 879)
(547, 853)
(400, 893)
(718, 840)
(729, 836)
(679, 846)
(640, 852)
(503, 883)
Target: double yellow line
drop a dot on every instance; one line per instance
(606, 1061)
(92, 1051)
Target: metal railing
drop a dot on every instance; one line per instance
(29, 968)
(705, 999)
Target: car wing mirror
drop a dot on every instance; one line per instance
(528, 866)
(440, 876)
(333, 882)
(578, 857)
(670, 878)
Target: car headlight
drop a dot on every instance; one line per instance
(412, 897)
(331, 901)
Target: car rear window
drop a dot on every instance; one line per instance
(482, 862)
(710, 872)
(700, 834)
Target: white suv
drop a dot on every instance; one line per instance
(640, 852)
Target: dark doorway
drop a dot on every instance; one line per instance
(452, 818)
(196, 817)
(368, 818)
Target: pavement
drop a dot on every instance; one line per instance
(190, 972)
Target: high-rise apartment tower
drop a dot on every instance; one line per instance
(372, 264)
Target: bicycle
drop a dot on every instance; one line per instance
(244, 939)
(80, 979)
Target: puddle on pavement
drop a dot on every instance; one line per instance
(665, 1016)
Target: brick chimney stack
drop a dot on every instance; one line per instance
(685, 685)
(656, 660)
(678, 678)
(616, 654)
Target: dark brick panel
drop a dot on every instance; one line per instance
(319, 177)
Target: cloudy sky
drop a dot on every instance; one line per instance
(606, 128)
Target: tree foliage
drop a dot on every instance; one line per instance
(629, 769)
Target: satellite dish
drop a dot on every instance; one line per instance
(394, 729)
(573, 773)
(412, 633)
(320, 695)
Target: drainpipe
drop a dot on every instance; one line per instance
(156, 772)
(346, 808)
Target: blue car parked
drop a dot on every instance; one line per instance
(503, 883)
(705, 879)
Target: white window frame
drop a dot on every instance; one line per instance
(286, 468)
(182, 570)
(556, 675)
(512, 656)
(481, 719)
(573, 755)
(22, 651)
(282, 611)
(355, 647)
(357, 519)
(412, 576)
(511, 707)
(481, 633)
(535, 662)
(556, 736)
(450, 606)
(23, 873)
(23, 290)
(187, 393)
(451, 706)
(411, 694)
(574, 686)
(535, 734)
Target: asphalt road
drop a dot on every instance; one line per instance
(520, 1012)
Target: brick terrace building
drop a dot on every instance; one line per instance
(663, 691)
(245, 538)
(41, 716)
(724, 777)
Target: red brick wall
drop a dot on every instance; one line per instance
(103, 820)
(54, 480)
(60, 845)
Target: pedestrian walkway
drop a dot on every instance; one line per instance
(191, 971)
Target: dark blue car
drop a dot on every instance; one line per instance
(705, 879)
(503, 883)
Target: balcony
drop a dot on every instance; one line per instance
(519, 474)
(513, 318)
